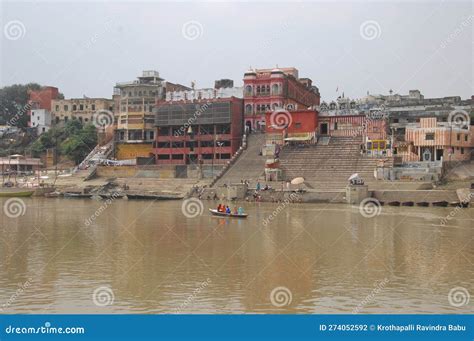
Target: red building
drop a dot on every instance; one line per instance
(208, 131)
(41, 99)
(299, 125)
(266, 90)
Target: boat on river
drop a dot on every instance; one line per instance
(114, 195)
(15, 192)
(223, 214)
(77, 195)
(146, 196)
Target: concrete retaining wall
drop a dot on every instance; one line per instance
(416, 196)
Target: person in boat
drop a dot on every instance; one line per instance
(240, 210)
(227, 210)
(258, 186)
(219, 208)
(236, 211)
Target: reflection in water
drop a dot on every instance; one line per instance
(155, 260)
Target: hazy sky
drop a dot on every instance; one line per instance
(84, 48)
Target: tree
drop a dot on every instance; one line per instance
(13, 104)
(78, 146)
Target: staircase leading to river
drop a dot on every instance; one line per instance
(250, 165)
(327, 166)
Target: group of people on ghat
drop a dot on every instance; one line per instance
(226, 209)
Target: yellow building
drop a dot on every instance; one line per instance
(135, 101)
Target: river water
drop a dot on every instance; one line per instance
(89, 256)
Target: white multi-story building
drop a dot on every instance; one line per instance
(41, 120)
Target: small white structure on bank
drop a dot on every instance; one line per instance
(41, 120)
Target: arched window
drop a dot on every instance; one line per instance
(275, 89)
(268, 89)
(248, 90)
(248, 108)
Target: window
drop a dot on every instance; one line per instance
(465, 137)
(248, 90)
(429, 137)
(66, 108)
(163, 131)
(248, 109)
(177, 156)
(66, 119)
(57, 107)
(86, 119)
(395, 120)
(93, 106)
(81, 107)
(223, 129)
(74, 107)
(207, 156)
(151, 135)
(462, 150)
(335, 125)
(459, 137)
(163, 157)
(207, 143)
(163, 144)
(298, 125)
(275, 89)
